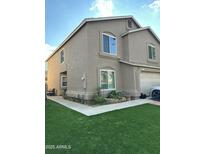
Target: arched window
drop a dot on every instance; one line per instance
(109, 44)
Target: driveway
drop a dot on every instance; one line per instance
(155, 101)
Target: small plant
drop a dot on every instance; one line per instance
(98, 99)
(99, 91)
(114, 94)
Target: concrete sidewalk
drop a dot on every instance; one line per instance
(91, 110)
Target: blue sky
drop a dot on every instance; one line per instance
(62, 16)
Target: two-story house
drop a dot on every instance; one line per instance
(114, 53)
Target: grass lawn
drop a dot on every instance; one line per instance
(134, 130)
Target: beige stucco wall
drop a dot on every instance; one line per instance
(84, 58)
(75, 64)
(125, 48)
(128, 78)
(54, 70)
(97, 59)
(137, 48)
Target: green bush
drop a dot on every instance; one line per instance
(114, 94)
(98, 99)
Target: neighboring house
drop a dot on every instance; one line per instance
(114, 53)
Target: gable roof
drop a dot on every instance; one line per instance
(91, 20)
(141, 29)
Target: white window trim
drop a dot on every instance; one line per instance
(103, 44)
(151, 45)
(64, 56)
(108, 70)
(62, 81)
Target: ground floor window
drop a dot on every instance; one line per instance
(63, 81)
(107, 79)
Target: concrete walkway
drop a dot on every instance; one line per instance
(155, 103)
(91, 110)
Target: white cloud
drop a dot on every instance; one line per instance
(48, 50)
(103, 7)
(155, 5)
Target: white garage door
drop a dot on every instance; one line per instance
(147, 80)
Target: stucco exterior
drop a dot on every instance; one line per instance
(84, 58)
(136, 49)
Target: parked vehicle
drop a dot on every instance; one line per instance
(51, 92)
(155, 92)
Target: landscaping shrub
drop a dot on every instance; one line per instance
(98, 99)
(114, 94)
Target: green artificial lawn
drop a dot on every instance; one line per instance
(134, 130)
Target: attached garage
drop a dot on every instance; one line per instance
(148, 80)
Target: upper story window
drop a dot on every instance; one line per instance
(109, 44)
(151, 52)
(62, 56)
(129, 23)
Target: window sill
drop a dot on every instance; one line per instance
(106, 55)
(63, 87)
(151, 60)
(107, 89)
